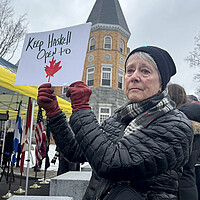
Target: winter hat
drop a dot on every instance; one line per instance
(164, 61)
(192, 97)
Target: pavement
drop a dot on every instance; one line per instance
(49, 173)
(8, 187)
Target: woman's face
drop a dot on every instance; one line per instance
(141, 79)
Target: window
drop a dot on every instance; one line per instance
(106, 73)
(64, 89)
(121, 46)
(92, 44)
(120, 79)
(108, 42)
(90, 76)
(104, 113)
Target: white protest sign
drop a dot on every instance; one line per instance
(56, 56)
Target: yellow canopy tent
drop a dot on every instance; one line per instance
(7, 80)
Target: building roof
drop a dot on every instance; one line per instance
(108, 12)
(8, 65)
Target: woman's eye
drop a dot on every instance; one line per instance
(130, 71)
(145, 71)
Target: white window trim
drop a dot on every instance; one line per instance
(122, 41)
(63, 88)
(104, 42)
(90, 43)
(107, 107)
(123, 70)
(108, 66)
(87, 67)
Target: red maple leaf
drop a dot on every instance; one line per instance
(52, 69)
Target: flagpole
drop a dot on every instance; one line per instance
(29, 149)
(23, 140)
(47, 164)
(35, 185)
(9, 194)
(45, 171)
(20, 190)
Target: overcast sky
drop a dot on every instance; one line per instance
(169, 24)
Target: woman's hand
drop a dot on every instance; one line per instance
(79, 94)
(47, 100)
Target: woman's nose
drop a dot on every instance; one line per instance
(135, 76)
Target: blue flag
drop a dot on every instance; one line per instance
(17, 134)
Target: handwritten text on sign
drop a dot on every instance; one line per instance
(54, 56)
(52, 42)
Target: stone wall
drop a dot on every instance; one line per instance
(108, 97)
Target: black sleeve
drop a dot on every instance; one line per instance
(147, 152)
(64, 138)
(195, 154)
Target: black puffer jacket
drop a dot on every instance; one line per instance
(150, 158)
(187, 185)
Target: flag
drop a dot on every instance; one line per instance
(47, 162)
(38, 136)
(25, 135)
(17, 134)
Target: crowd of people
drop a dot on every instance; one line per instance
(150, 144)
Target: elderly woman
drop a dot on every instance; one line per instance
(144, 143)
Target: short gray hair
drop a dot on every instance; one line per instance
(146, 57)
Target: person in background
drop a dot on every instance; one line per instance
(56, 156)
(193, 112)
(145, 143)
(177, 94)
(187, 184)
(8, 148)
(192, 98)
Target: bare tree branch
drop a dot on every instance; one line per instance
(193, 59)
(11, 31)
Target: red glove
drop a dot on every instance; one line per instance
(47, 100)
(79, 94)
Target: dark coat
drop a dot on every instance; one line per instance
(150, 158)
(187, 185)
(191, 110)
(8, 148)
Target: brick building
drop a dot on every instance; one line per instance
(106, 54)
